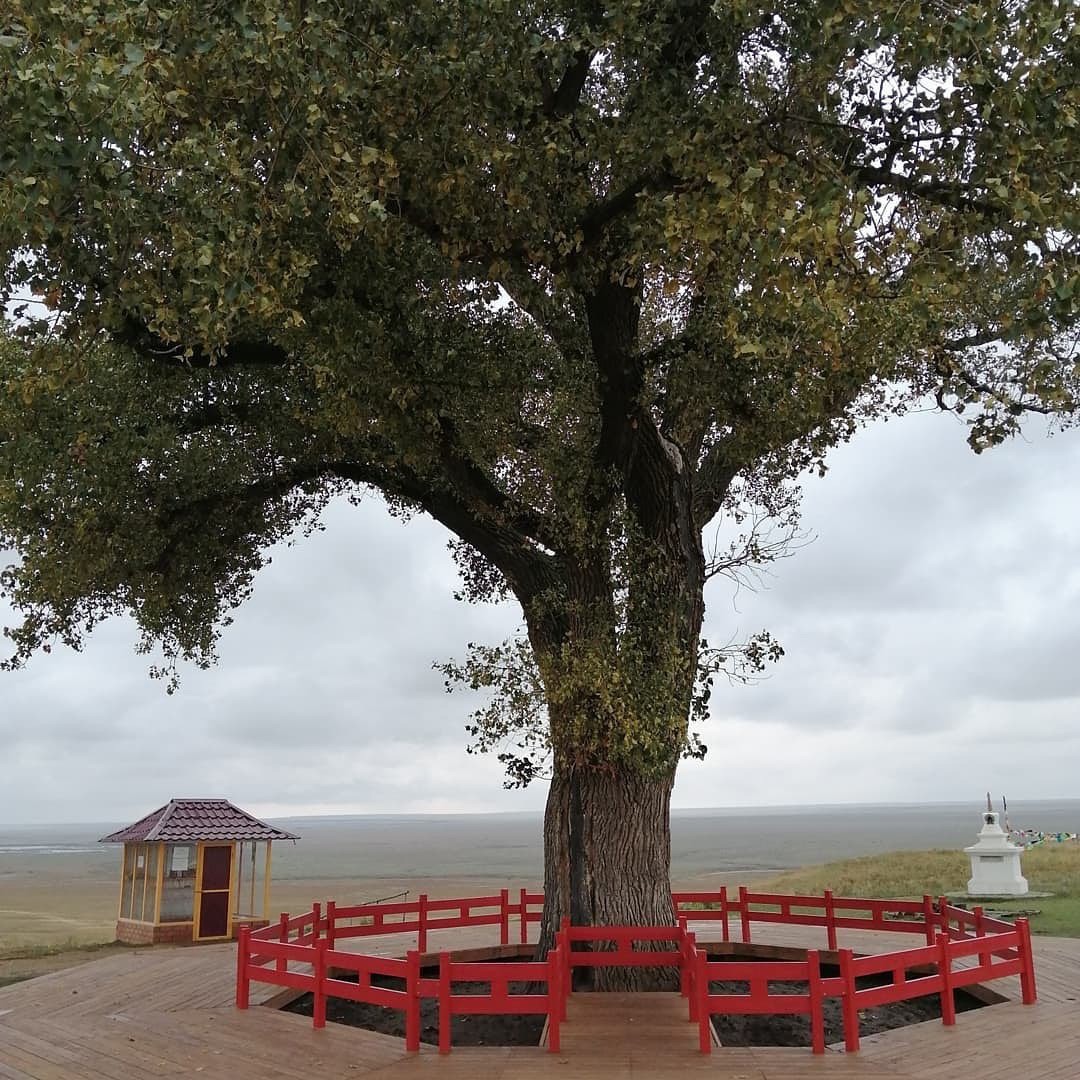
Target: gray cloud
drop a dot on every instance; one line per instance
(931, 630)
(935, 617)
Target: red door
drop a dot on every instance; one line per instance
(214, 898)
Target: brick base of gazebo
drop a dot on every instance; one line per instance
(132, 932)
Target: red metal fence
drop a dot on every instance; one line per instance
(962, 947)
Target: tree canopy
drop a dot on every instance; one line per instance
(572, 278)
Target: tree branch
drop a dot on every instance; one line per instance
(564, 99)
(687, 41)
(412, 213)
(484, 494)
(602, 214)
(520, 561)
(720, 466)
(551, 316)
(971, 341)
(137, 336)
(190, 518)
(712, 482)
(939, 192)
(949, 368)
(614, 313)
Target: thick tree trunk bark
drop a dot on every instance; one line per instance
(607, 862)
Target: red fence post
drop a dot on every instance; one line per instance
(744, 913)
(316, 918)
(283, 936)
(243, 983)
(948, 1004)
(1028, 992)
(412, 1001)
(568, 961)
(555, 1007)
(684, 974)
(943, 907)
(421, 920)
(848, 1005)
(690, 962)
(830, 920)
(979, 930)
(524, 928)
(563, 949)
(331, 916)
(725, 930)
(504, 917)
(928, 917)
(701, 989)
(817, 1003)
(318, 1013)
(444, 1003)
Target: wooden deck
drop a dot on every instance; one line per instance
(168, 1013)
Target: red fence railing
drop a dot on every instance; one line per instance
(620, 942)
(332, 963)
(828, 911)
(499, 999)
(962, 947)
(758, 999)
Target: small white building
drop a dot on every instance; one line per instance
(995, 862)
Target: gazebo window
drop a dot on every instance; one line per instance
(250, 875)
(149, 883)
(127, 894)
(139, 883)
(178, 883)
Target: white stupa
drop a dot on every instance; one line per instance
(995, 861)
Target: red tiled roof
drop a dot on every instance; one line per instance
(190, 820)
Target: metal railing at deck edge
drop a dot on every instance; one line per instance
(952, 933)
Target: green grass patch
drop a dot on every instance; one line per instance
(1053, 868)
(39, 952)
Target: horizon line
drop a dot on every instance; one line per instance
(540, 812)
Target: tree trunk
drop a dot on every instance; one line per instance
(607, 862)
(616, 637)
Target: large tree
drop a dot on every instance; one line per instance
(575, 279)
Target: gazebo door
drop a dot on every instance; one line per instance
(215, 881)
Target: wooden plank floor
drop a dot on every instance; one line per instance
(635, 1023)
(168, 1013)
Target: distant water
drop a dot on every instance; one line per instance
(722, 841)
(42, 849)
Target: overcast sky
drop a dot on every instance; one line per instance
(932, 631)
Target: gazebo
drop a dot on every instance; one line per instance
(191, 872)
